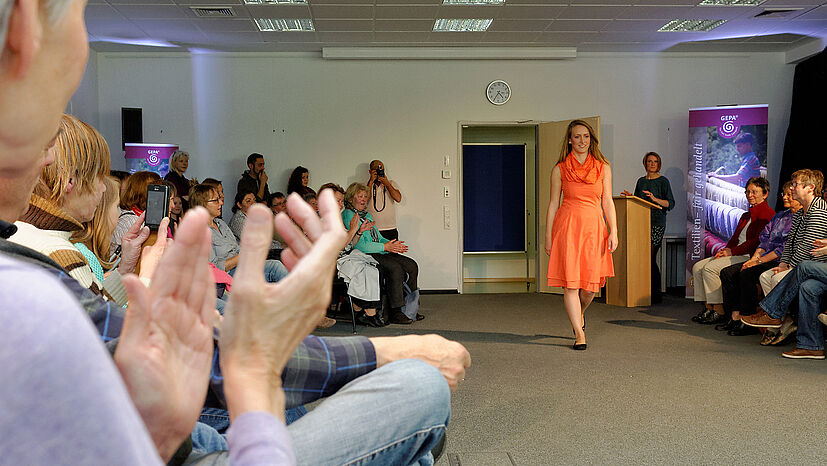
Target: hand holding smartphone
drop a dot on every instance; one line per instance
(157, 205)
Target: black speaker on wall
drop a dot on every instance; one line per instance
(132, 126)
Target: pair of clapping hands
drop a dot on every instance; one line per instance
(166, 345)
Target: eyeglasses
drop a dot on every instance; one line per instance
(214, 200)
(798, 183)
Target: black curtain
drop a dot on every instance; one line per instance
(805, 145)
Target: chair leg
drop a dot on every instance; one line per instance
(352, 314)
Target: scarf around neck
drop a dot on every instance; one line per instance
(589, 172)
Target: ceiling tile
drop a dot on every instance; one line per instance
(279, 11)
(608, 36)
(519, 25)
(409, 36)
(187, 3)
(817, 13)
(288, 37)
(634, 25)
(578, 25)
(388, 25)
(666, 2)
(151, 11)
(565, 38)
(343, 24)
(143, 2)
(102, 13)
(407, 2)
(718, 12)
(342, 2)
(351, 37)
(470, 11)
(510, 36)
(406, 12)
(619, 47)
(122, 28)
(659, 12)
(777, 38)
(225, 25)
(233, 37)
(531, 12)
(592, 12)
(342, 11)
(456, 38)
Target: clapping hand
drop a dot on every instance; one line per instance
(264, 322)
(166, 345)
(820, 248)
(396, 246)
(131, 243)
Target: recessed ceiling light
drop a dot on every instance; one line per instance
(473, 2)
(691, 25)
(266, 2)
(293, 24)
(731, 2)
(462, 25)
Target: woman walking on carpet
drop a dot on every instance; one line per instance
(578, 242)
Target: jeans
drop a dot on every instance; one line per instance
(807, 282)
(273, 271)
(394, 415)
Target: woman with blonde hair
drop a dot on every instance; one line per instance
(93, 241)
(178, 164)
(578, 242)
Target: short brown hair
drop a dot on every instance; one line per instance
(761, 182)
(81, 155)
(813, 177)
(201, 194)
(655, 155)
(134, 189)
(335, 187)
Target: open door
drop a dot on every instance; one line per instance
(549, 140)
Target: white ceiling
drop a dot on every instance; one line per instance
(588, 25)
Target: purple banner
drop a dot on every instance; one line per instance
(727, 147)
(149, 157)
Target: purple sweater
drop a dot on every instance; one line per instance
(63, 400)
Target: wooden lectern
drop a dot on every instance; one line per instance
(631, 286)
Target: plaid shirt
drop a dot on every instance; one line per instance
(318, 367)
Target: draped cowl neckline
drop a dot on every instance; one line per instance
(590, 171)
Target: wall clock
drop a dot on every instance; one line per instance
(498, 92)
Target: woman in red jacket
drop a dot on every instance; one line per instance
(707, 272)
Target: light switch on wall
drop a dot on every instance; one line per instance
(446, 217)
(446, 174)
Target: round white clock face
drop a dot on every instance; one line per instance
(498, 92)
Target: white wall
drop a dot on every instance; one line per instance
(84, 103)
(335, 116)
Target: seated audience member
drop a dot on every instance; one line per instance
(396, 269)
(121, 176)
(220, 187)
(707, 272)
(739, 281)
(138, 410)
(133, 203)
(225, 250)
(277, 203)
(812, 224)
(243, 202)
(359, 270)
(175, 213)
(298, 182)
(93, 240)
(178, 163)
(255, 178)
(66, 196)
(311, 199)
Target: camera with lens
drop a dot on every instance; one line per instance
(380, 172)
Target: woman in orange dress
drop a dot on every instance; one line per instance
(578, 242)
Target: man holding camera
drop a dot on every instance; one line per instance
(383, 194)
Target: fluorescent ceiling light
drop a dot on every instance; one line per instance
(296, 24)
(473, 2)
(691, 25)
(281, 2)
(731, 2)
(462, 25)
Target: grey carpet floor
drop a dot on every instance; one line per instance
(652, 388)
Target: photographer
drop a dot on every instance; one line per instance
(383, 194)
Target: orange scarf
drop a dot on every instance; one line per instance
(590, 172)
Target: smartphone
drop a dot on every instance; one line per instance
(157, 205)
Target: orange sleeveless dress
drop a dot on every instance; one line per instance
(580, 256)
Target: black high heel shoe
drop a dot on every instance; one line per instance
(370, 321)
(579, 346)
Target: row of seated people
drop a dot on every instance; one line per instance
(85, 224)
(770, 276)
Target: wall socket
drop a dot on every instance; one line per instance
(445, 192)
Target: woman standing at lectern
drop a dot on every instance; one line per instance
(578, 242)
(655, 188)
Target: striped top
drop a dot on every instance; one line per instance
(805, 229)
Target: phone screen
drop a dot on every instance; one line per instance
(157, 205)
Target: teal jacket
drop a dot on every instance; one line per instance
(366, 243)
